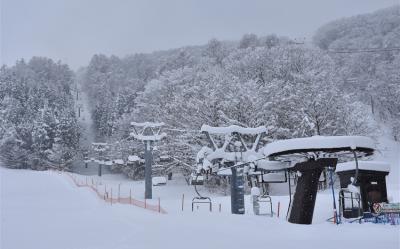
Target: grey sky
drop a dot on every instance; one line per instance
(74, 30)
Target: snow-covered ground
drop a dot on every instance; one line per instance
(46, 210)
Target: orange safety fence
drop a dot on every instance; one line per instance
(107, 197)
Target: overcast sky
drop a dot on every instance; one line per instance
(74, 30)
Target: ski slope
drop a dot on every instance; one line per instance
(45, 210)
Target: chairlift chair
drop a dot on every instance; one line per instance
(196, 179)
(202, 200)
(265, 198)
(350, 204)
(199, 199)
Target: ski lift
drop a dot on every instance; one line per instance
(350, 204)
(349, 200)
(196, 179)
(265, 198)
(200, 199)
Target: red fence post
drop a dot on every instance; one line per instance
(334, 217)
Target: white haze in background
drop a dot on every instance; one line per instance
(74, 30)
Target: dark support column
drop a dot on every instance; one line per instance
(147, 171)
(100, 165)
(304, 198)
(302, 209)
(237, 191)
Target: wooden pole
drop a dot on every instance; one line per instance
(159, 205)
(119, 191)
(220, 208)
(183, 200)
(130, 196)
(279, 207)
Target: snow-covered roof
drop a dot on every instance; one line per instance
(99, 144)
(148, 124)
(317, 143)
(119, 161)
(133, 158)
(233, 128)
(155, 137)
(363, 165)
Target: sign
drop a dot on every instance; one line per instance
(386, 208)
(386, 213)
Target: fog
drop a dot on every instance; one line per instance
(74, 30)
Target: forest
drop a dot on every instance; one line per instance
(343, 82)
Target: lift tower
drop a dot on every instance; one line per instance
(148, 133)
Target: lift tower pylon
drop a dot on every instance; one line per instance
(148, 133)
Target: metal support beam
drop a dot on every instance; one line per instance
(147, 172)
(237, 191)
(302, 209)
(100, 165)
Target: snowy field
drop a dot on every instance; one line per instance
(46, 210)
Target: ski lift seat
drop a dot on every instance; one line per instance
(267, 200)
(202, 200)
(350, 205)
(196, 179)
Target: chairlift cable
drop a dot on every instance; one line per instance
(367, 50)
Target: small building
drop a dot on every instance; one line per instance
(371, 180)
